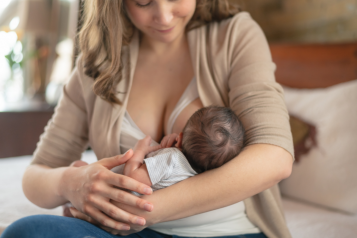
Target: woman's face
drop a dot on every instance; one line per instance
(161, 20)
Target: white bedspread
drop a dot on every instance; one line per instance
(13, 203)
(309, 221)
(304, 221)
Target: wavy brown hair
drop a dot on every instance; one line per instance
(107, 28)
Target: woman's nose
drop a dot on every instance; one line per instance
(164, 15)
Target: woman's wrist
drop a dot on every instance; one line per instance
(154, 216)
(41, 186)
(63, 184)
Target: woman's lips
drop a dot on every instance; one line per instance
(166, 31)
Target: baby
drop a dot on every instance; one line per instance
(211, 137)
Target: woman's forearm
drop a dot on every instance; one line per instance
(256, 169)
(41, 185)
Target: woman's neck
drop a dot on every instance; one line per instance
(162, 48)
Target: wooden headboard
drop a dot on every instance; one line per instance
(314, 65)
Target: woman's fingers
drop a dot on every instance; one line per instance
(79, 215)
(104, 220)
(110, 230)
(128, 183)
(126, 198)
(118, 214)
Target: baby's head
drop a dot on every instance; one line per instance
(212, 136)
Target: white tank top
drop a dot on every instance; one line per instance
(227, 221)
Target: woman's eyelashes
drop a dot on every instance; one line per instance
(149, 3)
(143, 5)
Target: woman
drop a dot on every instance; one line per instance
(138, 56)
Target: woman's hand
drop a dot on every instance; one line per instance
(79, 215)
(91, 187)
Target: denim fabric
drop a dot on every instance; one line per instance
(48, 226)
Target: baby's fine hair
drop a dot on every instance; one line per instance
(212, 136)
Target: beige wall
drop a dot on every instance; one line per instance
(305, 20)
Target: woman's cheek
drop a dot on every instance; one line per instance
(186, 8)
(137, 16)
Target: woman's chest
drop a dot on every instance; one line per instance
(156, 88)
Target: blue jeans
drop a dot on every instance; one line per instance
(48, 226)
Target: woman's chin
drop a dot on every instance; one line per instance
(164, 37)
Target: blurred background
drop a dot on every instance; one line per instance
(37, 51)
(305, 21)
(36, 46)
(36, 58)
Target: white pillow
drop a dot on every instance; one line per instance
(327, 175)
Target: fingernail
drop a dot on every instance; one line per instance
(140, 221)
(127, 151)
(148, 207)
(147, 191)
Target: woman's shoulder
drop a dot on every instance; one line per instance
(239, 18)
(235, 28)
(231, 29)
(226, 40)
(230, 35)
(239, 21)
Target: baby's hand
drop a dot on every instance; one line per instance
(141, 149)
(143, 146)
(169, 140)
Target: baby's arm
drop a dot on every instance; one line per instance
(134, 167)
(141, 174)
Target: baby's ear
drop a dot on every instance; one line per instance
(179, 140)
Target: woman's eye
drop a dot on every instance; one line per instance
(143, 5)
